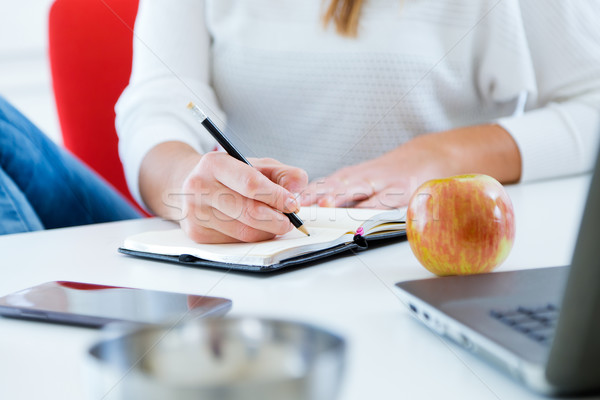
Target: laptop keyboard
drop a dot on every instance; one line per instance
(538, 323)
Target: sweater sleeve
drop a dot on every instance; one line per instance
(559, 135)
(171, 58)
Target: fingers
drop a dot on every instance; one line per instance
(386, 199)
(225, 206)
(227, 200)
(356, 190)
(249, 182)
(348, 193)
(338, 191)
(226, 229)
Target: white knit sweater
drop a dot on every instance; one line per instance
(295, 91)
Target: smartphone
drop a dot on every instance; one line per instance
(90, 305)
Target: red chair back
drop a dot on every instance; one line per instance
(90, 49)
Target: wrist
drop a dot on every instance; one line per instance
(483, 149)
(435, 155)
(162, 174)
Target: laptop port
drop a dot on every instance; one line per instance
(412, 307)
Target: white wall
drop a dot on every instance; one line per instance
(24, 70)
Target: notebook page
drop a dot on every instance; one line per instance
(349, 218)
(294, 243)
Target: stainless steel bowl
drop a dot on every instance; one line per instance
(228, 358)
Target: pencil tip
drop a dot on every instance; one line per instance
(190, 105)
(302, 229)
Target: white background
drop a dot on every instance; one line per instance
(24, 69)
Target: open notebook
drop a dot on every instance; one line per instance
(332, 231)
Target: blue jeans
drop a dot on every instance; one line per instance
(42, 186)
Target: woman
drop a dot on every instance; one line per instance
(367, 99)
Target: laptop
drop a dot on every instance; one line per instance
(542, 326)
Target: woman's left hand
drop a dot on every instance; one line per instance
(384, 182)
(389, 181)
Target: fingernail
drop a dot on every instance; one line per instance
(327, 201)
(292, 204)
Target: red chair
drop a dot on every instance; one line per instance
(90, 49)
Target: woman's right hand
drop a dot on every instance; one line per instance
(221, 199)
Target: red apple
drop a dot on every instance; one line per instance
(460, 225)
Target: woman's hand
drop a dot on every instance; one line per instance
(218, 199)
(389, 181)
(226, 200)
(384, 182)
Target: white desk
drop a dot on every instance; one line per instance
(390, 354)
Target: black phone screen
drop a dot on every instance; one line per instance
(96, 305)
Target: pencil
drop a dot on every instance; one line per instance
(233, 152)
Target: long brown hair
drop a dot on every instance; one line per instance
(345, 15)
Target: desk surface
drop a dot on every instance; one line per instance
(390, 354)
